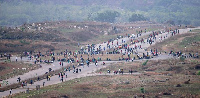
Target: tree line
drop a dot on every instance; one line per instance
(17, 12)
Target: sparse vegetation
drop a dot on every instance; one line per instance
(182, 59)
(66, 35)
(198, 73)
(145, 63)
(11, 69)
(115, 86)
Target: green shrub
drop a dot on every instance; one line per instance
(182, 59)
(24, 42)
(145, 63)
(142, 90)
(198, 73)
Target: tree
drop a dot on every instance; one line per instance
(137, 17)
(107, 16)
(170, 22)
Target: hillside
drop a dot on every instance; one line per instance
(14, 12)
(58, 36)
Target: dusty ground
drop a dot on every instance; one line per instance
(12, 69)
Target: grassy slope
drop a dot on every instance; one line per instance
(178, 43)
(120, 86)
(11, 69)
(62, 35)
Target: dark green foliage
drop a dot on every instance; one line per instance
(107, 16)
(142, 90)
(145, 63)
(24, 42)
(18, 12)
(137, 17)
(198, 73)
(182, 59)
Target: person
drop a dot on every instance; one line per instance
(131, 71)
(108, 71)
(10, 91)
(43, 84)
(31, 82)
(79, 70)
(49, 77)
(23, 84)
(38, 78)
(66, 75)
(62, 78)
(19, 79)
(96, 63)
(69, 69)
(88, 63)
(16, 59)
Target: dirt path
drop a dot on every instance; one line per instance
(34, 73)
(55, 79)
(120, 42)
(85, 71)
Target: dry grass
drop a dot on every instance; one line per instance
(11, 69)
(158, 78)
(122, 86)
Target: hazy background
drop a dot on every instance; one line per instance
(18, 12)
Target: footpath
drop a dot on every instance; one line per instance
(85, 71)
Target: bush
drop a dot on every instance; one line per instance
(137, 17)
(24, 42)
(198, 73)
(142, 90)
(145, 63)
(107, 16)
(182, 59)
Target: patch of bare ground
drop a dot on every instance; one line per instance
(11, 69)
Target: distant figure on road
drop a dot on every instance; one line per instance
(66, 75)
(43, 84)
(10, 91)
(19, 79)
(47, 77)
(38, 78)
(31, 82)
